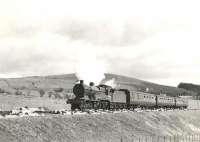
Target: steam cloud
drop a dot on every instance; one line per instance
(111, 83)
(89, 67)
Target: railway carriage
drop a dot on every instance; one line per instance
(181, 103)
(140, 99)
(165, 101)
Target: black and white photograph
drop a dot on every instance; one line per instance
(99, 71)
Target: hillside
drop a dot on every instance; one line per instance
(65, 83)
(58, 87)
(190, 87)
(140, 85)
(104, 127)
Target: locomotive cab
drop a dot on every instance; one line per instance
(105, 88)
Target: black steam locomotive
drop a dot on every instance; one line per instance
(106, 97)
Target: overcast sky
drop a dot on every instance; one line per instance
(155, 40)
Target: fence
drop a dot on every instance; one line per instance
(177, 138)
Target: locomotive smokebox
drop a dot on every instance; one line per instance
(79, 90)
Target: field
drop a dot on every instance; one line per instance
(10, 102)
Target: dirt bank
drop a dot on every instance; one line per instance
(98, 127)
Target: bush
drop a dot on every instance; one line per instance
(2, 90)
(58, 90)
(19, 92)
(50, 94)
(42, 92)
(57, 96)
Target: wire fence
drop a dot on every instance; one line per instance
(176, 138)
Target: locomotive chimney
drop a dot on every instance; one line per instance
(81, 81)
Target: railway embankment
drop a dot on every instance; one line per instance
(99, 127)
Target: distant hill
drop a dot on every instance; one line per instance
(140, 85)
(46, 85)
(190, 87)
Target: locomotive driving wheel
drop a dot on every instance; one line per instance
(104, 104)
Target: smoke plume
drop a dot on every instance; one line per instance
(111, 83)
(89, 67)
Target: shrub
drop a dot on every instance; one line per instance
(19, 92)
(50, 94)
(2, 90)
(57, 96)
(42, 92)
(58, 90)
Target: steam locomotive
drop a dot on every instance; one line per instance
(108, 98)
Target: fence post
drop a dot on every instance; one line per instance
(152, 138)
(121, 140)
(158, 139)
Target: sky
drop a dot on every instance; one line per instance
(155, 40)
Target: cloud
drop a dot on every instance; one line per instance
(111, 32)
(156, 41)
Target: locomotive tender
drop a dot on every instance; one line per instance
(106, 97)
